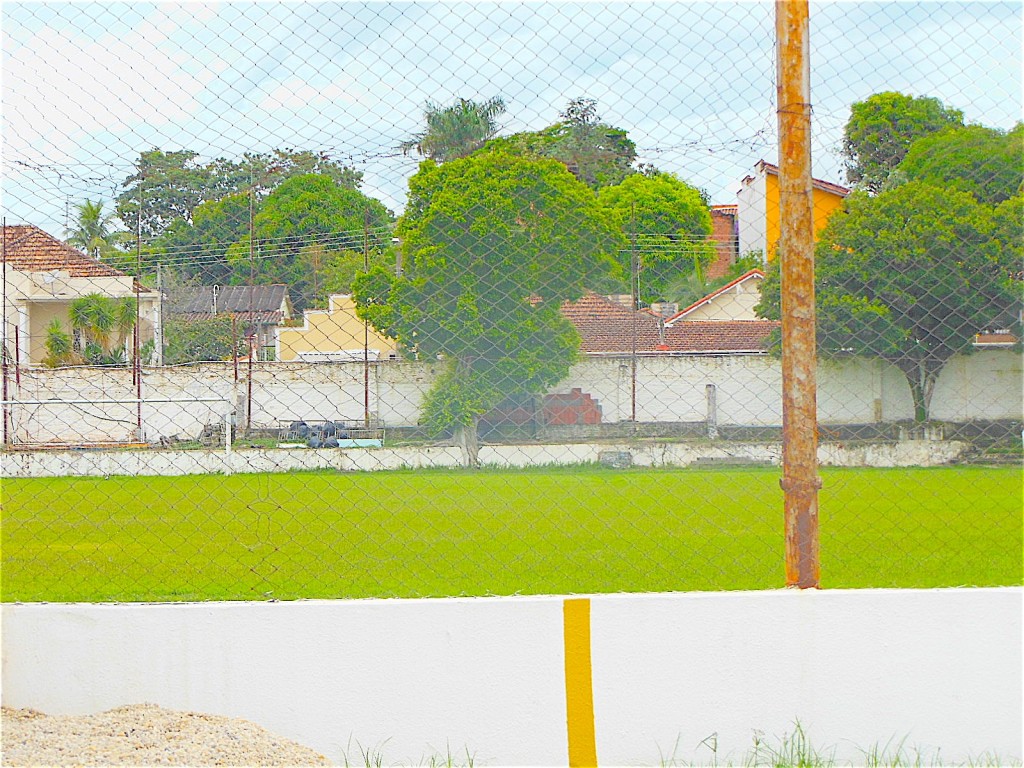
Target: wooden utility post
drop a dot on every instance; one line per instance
(800, 480)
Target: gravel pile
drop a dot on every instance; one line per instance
(143, 734)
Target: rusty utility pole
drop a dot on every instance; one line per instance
(800, 480)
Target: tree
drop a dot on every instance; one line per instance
(96, 318)
(166, 186)
(596, 153)
(492, 245)
(909, 276)
(456, 130)
(986, 162)
(171, 185)
(266, 171)
(668, 222)
(93, 231)
(60, 350)
(198, 248)
(192, 341)
(881, 129)
(308, 210)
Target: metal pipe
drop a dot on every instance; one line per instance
(800, 480)
(3, 331)
(248, 393)
(128, 401)
(634, 289)
(366, 325)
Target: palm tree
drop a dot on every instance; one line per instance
(125, 314)
(92, 232)
(94, 317)
(457, 130)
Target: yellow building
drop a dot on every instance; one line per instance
(333, 335)
(758, 209)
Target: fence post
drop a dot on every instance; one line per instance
(800, 480)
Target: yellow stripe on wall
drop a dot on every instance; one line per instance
(579, 691)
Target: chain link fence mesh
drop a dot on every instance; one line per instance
(349, 300)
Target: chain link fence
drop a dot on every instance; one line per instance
(348, 300)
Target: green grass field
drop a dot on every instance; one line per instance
(434, 533)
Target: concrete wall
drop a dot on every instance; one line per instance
(667, 675)
(983, 386)
(94, 463)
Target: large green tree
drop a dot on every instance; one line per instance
(165, 186)
(492, 245)
(197, 249)
(596, 153)
(667, 222)
(304, 228)
(986, 162)
(881, 129)
(910, 276)
(456, 130)
(168, 186)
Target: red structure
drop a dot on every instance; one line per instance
(576, 407)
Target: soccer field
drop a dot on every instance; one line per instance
(445, 533)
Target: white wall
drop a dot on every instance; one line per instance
(751, 214)
(97, 463)
(412, 678)
(986, 385)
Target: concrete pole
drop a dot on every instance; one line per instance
(800, 480)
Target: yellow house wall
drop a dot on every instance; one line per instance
(337, 329)
(823, 204)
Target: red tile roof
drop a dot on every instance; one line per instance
(606, 327)
(27, 248)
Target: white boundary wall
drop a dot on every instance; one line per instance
(97, 463)
(415, 678)
(987, 385)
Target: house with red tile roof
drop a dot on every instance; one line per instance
(733, 301)
(42, 276)
(609, 328)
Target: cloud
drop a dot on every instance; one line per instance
(59, 87)
(693, 83)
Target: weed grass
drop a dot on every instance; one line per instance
(446, 532)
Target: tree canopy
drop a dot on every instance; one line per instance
(456, 130)
(668, 222)
(302, 229)
(171, 185)
(93, 231)
(881, 129)
(492, 245)
(986, 162)
(596, 153)
(310, 232)
(910, 276)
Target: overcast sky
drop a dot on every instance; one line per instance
(86, 87)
